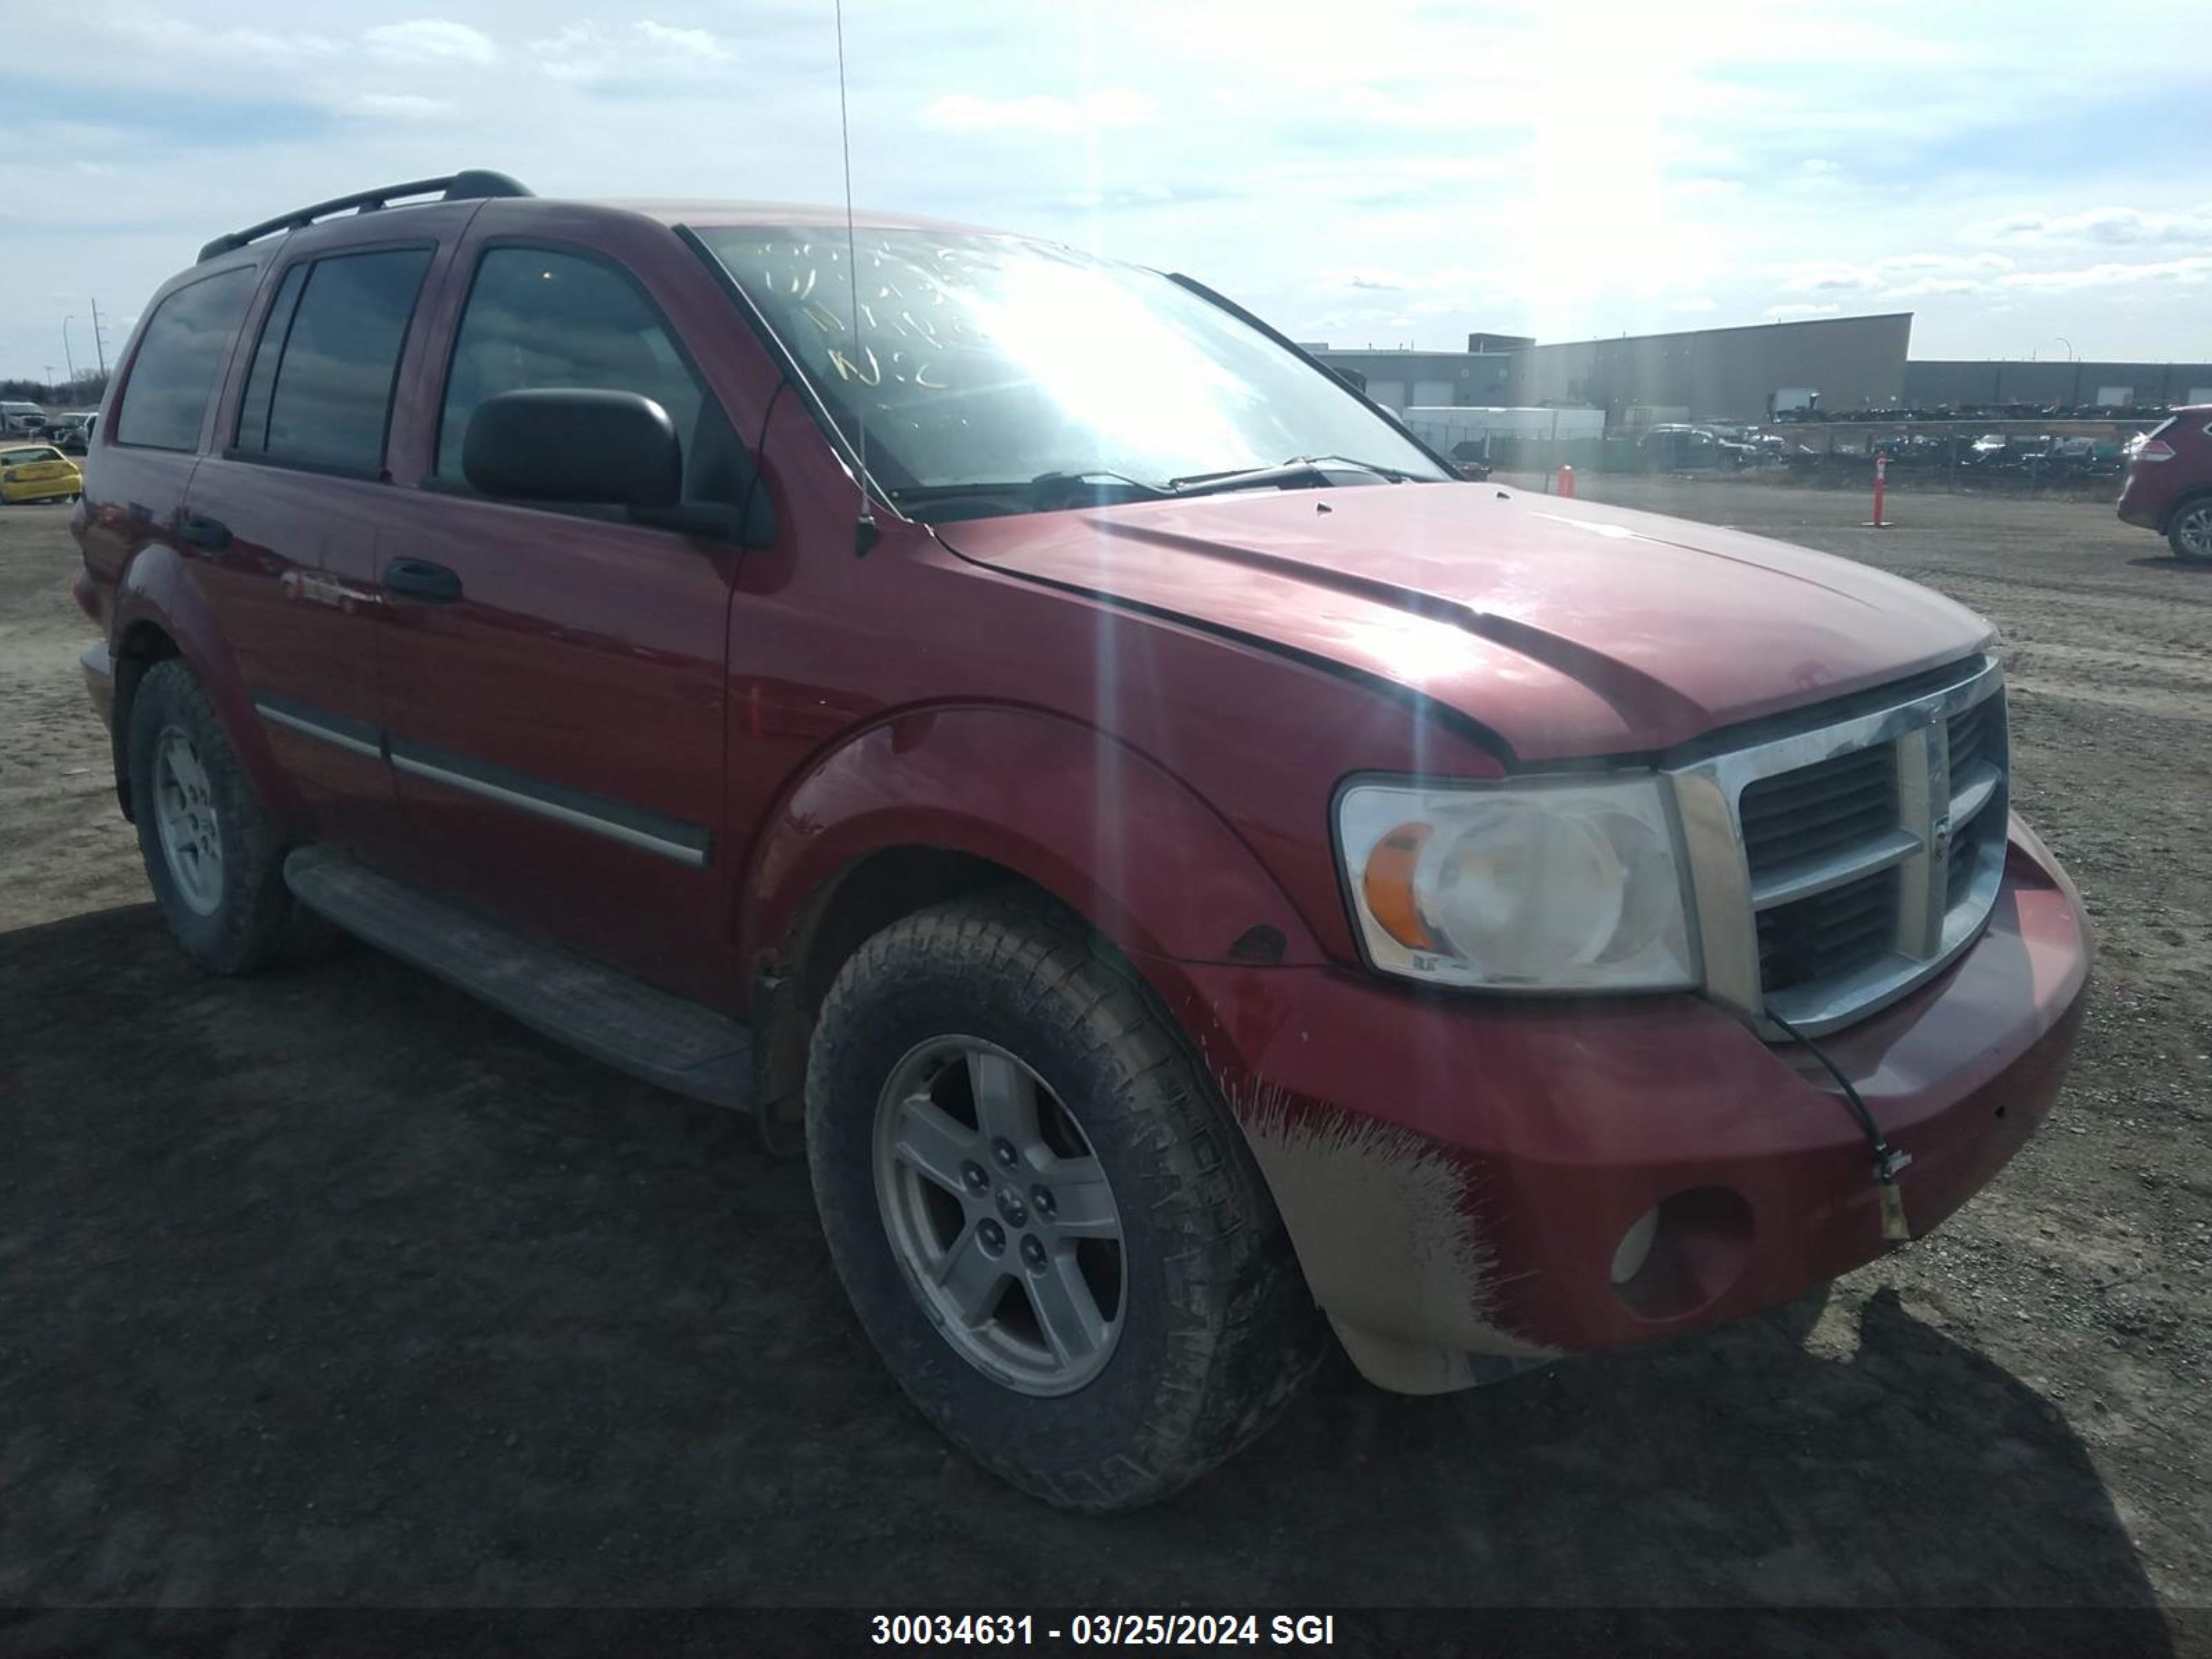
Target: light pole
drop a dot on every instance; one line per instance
(68, 356)
(2068, 344)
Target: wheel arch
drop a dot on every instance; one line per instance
(160, 613)
(2197, 497)
(937, 804)
(138, 645)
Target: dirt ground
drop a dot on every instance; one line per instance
(330, 1287)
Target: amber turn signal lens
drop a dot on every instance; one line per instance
(1387, 885)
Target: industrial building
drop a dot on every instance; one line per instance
(1942, 383)
(1836, 365)
(1701, 374)
(1725, 373)
(1403, 380)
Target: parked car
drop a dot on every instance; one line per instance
(1675, 449)
(21, 418)
(77, 439)
(2169, 481)
(2084, 458)
(37, 473)
(1913, 451)
(1471, 460)
(1202, 881)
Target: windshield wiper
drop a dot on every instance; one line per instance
(1049, 490)
(1045, 491)
(1300, 471)
(1069, 483)
(1394, 474)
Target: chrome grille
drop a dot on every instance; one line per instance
(1819, 810)
(1836, 867)
(1831, 934)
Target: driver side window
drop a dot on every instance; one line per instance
(539, 318)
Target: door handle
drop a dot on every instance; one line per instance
(200, 530)
(418, 578)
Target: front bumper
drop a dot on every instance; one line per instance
(1457, 1173)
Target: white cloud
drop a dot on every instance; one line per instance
(1897, 276)
(1109, 107)
(399, 107)
(429, 40)
(2197, 268)
(2116, 225)
(172, 35)
(640, 51)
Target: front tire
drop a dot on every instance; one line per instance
(2189, 533)
(1045, 1218)
(212, 856)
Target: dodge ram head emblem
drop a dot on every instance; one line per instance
(1939, 839)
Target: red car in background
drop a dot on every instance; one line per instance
(2169, 486)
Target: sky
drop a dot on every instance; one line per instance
(2028, 179)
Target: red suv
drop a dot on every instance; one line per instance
(1200, 877)
(2169, 487)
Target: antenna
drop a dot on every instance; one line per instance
(864, 529)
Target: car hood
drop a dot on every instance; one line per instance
(1566, 628)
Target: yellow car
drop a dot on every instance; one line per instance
(39, 472)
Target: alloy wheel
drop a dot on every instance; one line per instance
(184, 816)
(999, 1212)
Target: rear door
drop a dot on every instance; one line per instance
(135, 482)
(284, 514)
(553, 678)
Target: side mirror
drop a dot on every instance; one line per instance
(609, 448)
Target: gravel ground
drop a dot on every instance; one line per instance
(329, 1288)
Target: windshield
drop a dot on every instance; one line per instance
(985, 363)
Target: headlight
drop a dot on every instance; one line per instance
(1565, 886)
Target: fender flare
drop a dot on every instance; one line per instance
(156, 589)
(1110, 832)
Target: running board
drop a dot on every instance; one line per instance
(592, 1008)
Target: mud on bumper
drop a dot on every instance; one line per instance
(1458, 1175)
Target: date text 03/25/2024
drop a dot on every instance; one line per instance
(1107, 1630)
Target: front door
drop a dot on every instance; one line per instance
(553, 678)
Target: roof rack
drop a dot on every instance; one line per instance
(472, 184)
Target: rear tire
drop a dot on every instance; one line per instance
(212, 856)
(2189, 532)
(1203, 1329)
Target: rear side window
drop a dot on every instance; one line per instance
(539, 318)
(187, 339)
(253, 411)
(320, 391)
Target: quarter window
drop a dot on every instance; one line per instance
(261, 380)
(537, 319)
(320, 391)
(173, 375)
